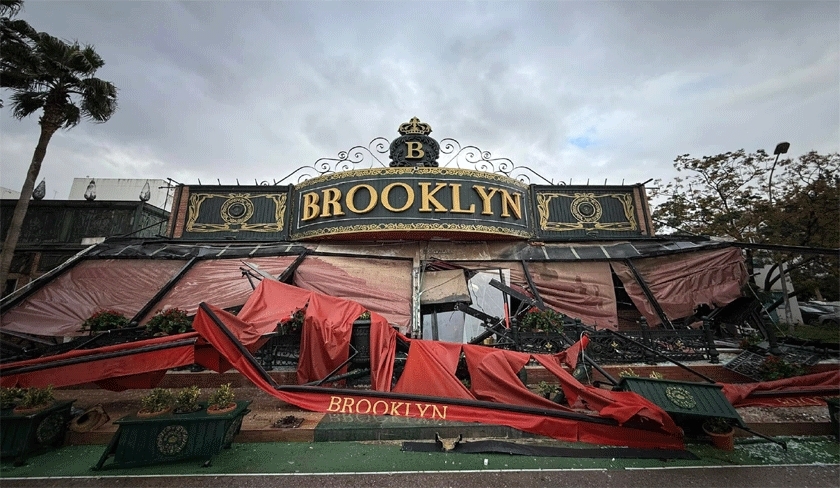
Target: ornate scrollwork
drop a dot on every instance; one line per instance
(680, 397)
(49, 429)
(172, 440)
(352, 158)
(472, 157)
(464, 157)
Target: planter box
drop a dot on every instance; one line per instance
(22, 435)
(689, 404)
(140, 441)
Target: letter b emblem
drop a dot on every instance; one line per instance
(414, 150)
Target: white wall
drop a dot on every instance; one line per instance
(120, 189)
(761, 273)
(6, 194)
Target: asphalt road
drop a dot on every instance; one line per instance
(725, 477)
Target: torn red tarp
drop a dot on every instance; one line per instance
(644, 424)
(739, 393)
(328, 324)
(139, 364)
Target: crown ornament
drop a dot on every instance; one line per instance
(414, 126)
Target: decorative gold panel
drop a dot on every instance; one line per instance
(587, 210)
(235, 212)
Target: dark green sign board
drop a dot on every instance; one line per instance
(240, 212)
(565, 212)
(411, 200)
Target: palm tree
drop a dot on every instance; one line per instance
(55, 77)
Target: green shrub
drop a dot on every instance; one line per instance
(36, 397)
(547, 320)
(9, 397)
(105, 320)
(294, 325)
(776, 368)
(169, 322)
(547, 390)
(186, 400)
(157, 400)
(222, 397)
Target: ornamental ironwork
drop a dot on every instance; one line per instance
(50, 429)
(415, 148)
(172, 440)
(680, 397)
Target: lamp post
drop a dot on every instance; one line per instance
(781, 148)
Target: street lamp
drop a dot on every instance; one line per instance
(781, 148)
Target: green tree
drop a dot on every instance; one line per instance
(15, 35)
(56, 78)
(735, 195)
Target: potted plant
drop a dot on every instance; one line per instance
(104, 320)
(547, 390)
(169, 322)
(187, 434)
(547, 320)
(721, 432)
(157, 402)
(222, 400)
(294, 325)
(34, 399)
(186, 400)
(9, 397)
(31, 420)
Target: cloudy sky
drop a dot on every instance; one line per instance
(576, 90)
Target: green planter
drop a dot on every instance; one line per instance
(834, 416)
(22, 435)
(171, 437)
(689, 404)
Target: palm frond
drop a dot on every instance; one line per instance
(99, 99)
(10, 8)
(26, 103)
(72, 115)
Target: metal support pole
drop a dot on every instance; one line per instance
(710, 339)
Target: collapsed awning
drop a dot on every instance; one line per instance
(139, 364)
(681, 282)
(497, 395)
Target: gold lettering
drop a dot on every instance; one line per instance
(437, 412)
(486, 207)
(414, 150)
(422, 409)
(332, 204)
(406, 408)
(394, 407)
(348, 405)
(334, 402)
(359, 406)
(427, 197)
(387, 191)
(456, 200)
(373, 198)
(384, 404)
(310, 206)
(511, 201)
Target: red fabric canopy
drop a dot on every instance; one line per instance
(430, 373)
(139, 364)
(798, 386)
